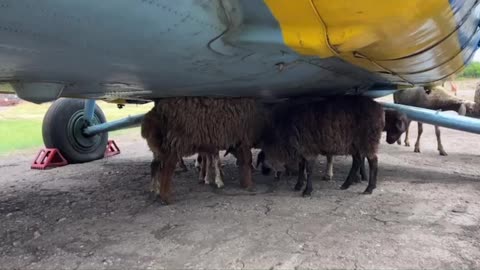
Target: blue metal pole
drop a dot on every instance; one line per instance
(89, 110)
(432, 117)
(129, 121)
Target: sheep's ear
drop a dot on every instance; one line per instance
(400, 125)
(462, 110)
(260, 158)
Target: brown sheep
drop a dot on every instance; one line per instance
(149, 130)
(190, 125)
(395, 124)
(437, 99)
(350, 125)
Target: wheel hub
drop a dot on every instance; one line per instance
(75, 134)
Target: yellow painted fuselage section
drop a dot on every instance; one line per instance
(403, 40)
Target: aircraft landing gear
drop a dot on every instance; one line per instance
(64, 125)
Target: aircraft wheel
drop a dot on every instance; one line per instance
(62, 129)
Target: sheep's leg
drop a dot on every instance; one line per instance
(155, 168)
(417, 144)
(218, 171)
(166, 175)
(439, 142)
(373, 165)
(245, 162)
(198, 163)
(309, 187)
(361, 175)
(182, 165)
(277, 175)
(363, 172)
(356, 159)
(202, 166)
(208, 169)
(329, 171)
(289, 171)
(301, 175)
(406, 141)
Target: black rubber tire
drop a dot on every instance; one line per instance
(62, 127)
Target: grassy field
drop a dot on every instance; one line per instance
(21, 125)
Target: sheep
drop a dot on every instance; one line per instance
(149, 129)
(395, 124)
(290, 168)
(189, 125)
(150, 123)
(438, 99)
(206, 165)
(182, 165)
(349, 125)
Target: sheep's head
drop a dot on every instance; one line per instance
(395, 124)
(232, 150)
(268, 164)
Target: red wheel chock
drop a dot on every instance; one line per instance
(51, 157)
(112, 149)
(48, 158)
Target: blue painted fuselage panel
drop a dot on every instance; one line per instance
(156, 48)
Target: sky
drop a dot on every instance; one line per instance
(476, 57)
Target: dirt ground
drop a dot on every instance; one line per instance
(425, 213)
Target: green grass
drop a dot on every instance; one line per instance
(19, 134)
(471, 71)
(21, 126)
